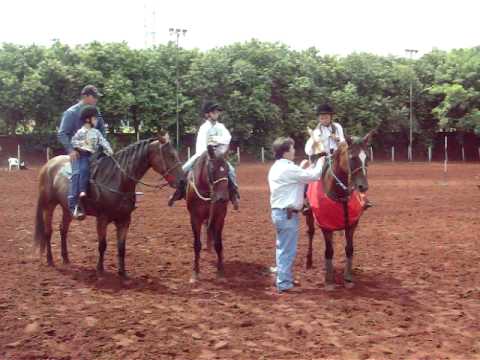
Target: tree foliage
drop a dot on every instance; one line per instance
(266, 88)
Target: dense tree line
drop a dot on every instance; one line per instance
(267, 89)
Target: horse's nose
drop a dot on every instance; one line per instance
(363, 188)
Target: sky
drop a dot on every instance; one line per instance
(334, 27)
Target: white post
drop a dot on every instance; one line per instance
(188, 152)
(393, 153)
(48, 154)
(371, 153)
(429, 154)
(463, 153)
(238, 154)
(138, 135)
(18, 154)
(263, 155)
(409, 153)
(446, 159)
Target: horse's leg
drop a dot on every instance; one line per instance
(208, 237)
(64, 226)
(311, 232)
(122, 230)
(197, 245)
(216, 229)
(102, 224)
(48, 217)
(329, 271)
(347, 275)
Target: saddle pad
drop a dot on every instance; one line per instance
(328, 213)
(66, 170)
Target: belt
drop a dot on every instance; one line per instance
(289, 211)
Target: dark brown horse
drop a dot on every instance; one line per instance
(111, 195)
(344, 172)
(207, 200)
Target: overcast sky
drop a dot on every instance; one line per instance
(334, 26)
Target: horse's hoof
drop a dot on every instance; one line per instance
(193, 279)
(349, 285)
(66, 262)
(123, 275)
(221, 274)
(329, 287)
(309, 266)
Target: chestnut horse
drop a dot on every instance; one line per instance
(344, 175)
(111, 195)
(207, 201)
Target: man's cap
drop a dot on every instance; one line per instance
(90, 90)
(325, 109)
(210, 106)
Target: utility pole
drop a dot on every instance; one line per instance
(177, 33)
(410, 149)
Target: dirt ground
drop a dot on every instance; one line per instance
(416, 267)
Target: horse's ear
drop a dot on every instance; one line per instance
(367, 138)
(163, 137)
(349, 140)
(211, 151)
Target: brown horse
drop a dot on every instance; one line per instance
(344, 172)
(207, 199)
(111, 195)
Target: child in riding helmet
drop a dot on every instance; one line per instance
(86, 141)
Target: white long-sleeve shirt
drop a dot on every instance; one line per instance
(322, 133)
(209, 133)
(287, 183)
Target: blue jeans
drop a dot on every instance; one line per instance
(286, 249)
(80, 179)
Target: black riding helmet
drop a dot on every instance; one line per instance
(87, 112)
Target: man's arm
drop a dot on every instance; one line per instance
(305, 176)
(65, 132)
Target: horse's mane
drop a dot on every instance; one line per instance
(128, 158)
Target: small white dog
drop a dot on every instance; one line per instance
(13, 162)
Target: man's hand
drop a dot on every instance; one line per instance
(305, 164)
(74, 155)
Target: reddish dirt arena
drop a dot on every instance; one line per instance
(417, 293)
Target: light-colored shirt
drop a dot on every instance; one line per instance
(287, 183)
(211, 134)
(89, 140)
(322, 134)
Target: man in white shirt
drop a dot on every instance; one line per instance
(287, 182)
(212, 132)
(329, 133)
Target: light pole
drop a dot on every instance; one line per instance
(410, 149)
(177, 33)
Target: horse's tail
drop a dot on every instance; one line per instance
(40, 237)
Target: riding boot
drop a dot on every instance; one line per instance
(368, 204)
(234, 195)
(179, 192)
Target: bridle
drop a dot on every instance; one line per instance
(166, 174)
(211, 183)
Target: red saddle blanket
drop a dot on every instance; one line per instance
(329, 213)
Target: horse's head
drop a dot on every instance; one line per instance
(164, 159)
(358, 159)
(217, 173)
(317, 144)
